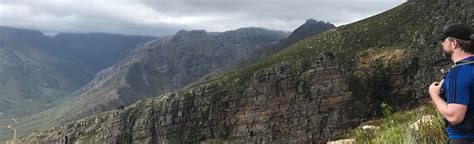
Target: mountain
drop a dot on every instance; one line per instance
(166, 65)
(312, 91)
(37, 71)
(309, 28)
(157, 67)
(32, 73)
(99, 50)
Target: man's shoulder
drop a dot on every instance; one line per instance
(467, 69)
(470, 68)
(464, 73)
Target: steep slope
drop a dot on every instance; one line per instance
(294, 95)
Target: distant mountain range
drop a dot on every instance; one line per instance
(36, 70)
(163, 65)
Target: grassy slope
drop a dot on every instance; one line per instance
(396, 128)
(383, 32)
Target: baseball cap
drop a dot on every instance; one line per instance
(458, 31)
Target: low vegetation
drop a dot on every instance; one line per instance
(421, 125)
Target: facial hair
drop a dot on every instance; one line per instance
(447, 54)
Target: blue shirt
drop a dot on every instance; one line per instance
(459, 89)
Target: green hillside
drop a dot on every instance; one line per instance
(371, 48)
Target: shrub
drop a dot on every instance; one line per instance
(387, 110)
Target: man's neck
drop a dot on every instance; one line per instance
(460, 56)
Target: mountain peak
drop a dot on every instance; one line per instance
(309, 28)
(250, 28)
(190, 33)
(17, 34)
(312, 21)
(184, 34)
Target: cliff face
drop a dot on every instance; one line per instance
(280, 104)
(312, 91)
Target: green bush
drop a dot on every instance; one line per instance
(387, 110)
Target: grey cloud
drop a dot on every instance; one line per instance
(293, 9)
(335, 11)
(165, 17)
(77, 16)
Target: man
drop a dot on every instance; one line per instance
(454, 95)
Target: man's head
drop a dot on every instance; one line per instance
(457, 37)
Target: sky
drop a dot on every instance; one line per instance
(166, 17)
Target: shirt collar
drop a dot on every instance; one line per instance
(471, 58)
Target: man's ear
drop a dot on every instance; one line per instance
(456, 44)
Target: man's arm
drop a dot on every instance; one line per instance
(453, 112)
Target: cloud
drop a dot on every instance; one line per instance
(165, 17)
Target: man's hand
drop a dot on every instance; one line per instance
(435, 88)
(453, 112)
